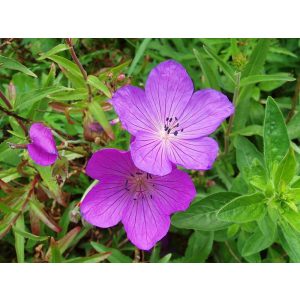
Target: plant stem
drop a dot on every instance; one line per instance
(230, 123)
(19, 119)
(295, 99)
(77, 62)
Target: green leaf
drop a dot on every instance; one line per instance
(257, 58)
(243, 209)
(293, 218)
(208, 72)
(28, 99)
(19, 239)
(228, 71)
(202, 214)
(293, 127)
(276, 140)
(96, 83)
(96, 110)
(245, 154)
(250, 163)
(9, 63)
(139, 54)
(253, 79)
(199, 247)
(115, 71)
(55, 256)
(50, 181)
(96, 258)
(256, 243)
(249, 131)
(70, 95)
(290, 240)
(294, 194)
(64, 243)
(66, 64)
(70, 70)
(262, 238)
(116, 255)
(37, 208)
(56, 49)
(286, 171)
(166, 258)
(30, 236)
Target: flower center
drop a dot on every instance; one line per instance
(139, 184)
(171, 126)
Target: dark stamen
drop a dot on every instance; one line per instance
(176, 132)
(151, 196)
(181, 129)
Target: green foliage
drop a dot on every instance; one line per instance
(247, 205)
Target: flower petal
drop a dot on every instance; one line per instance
(204, 113)
(169, 88)
(173, 192)
(104, 204)
(134, 109)
(144, 223)
(110, 163)
(42, 149)
(149, 154)
(198, 154)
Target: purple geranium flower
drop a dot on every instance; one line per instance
(141, 201)
(42, 148)
(170, 122)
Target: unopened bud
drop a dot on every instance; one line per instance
(75, 215)
(121, 77)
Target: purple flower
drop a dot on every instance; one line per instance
(170, 121)
(142, 202)
(42, 148)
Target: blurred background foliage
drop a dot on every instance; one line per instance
(39, 217)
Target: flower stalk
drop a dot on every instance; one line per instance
(78, 63)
